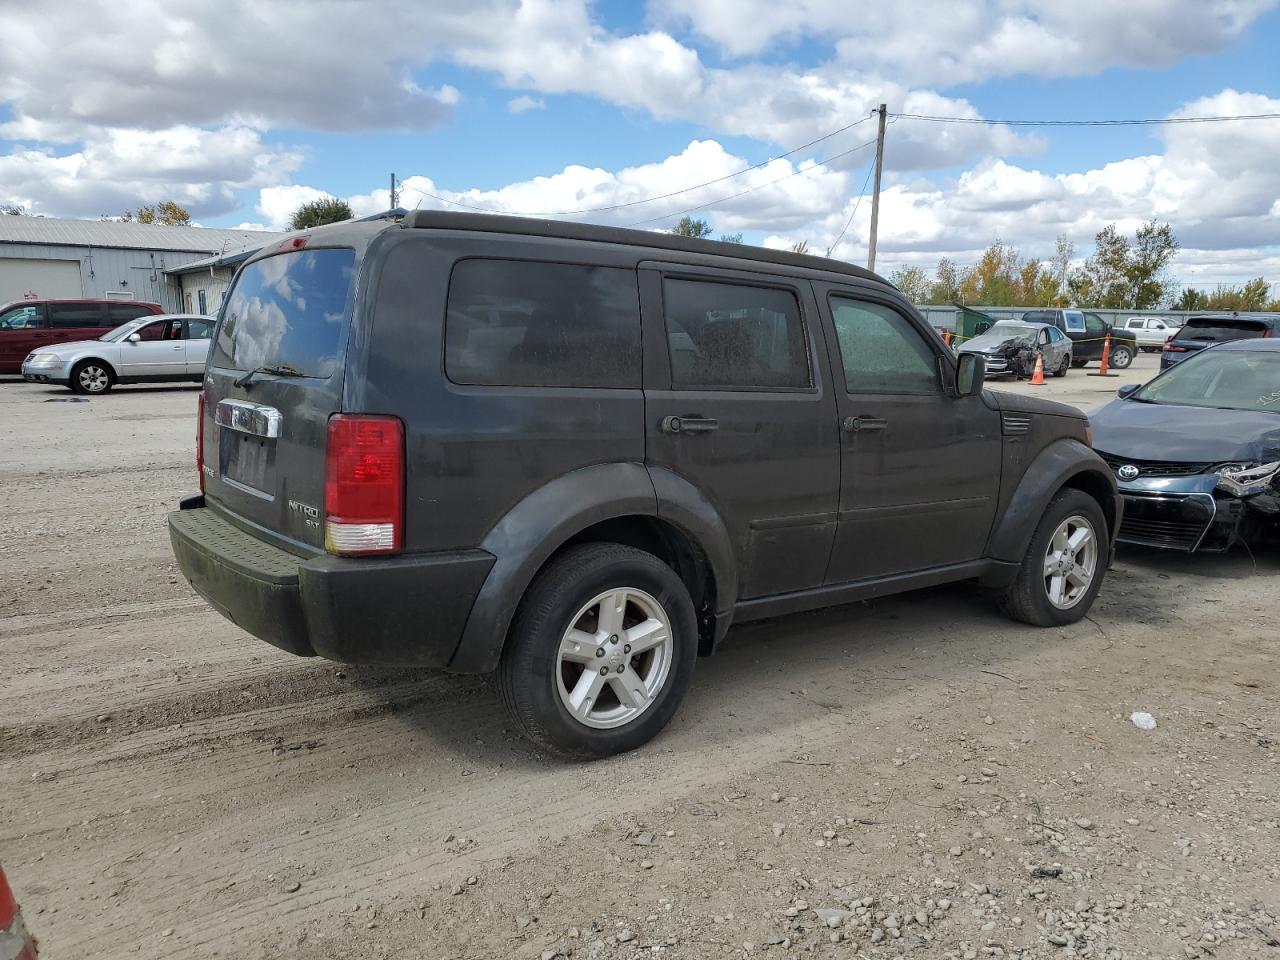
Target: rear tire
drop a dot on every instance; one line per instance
(553, 685)
(1030, 598)
(1121, 357)
(92, 377)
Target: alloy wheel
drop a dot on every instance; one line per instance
(93, 378)
(1070, 562)
(614, 658)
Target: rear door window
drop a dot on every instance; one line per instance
(199, 329)
(67, 315)
(1220, 330)
(523, 323)
(728, 335)
(288, 310)
(124, 312)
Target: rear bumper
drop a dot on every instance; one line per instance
(407, 610)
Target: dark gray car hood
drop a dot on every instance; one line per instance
(1165, 431)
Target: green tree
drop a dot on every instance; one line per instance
(166, 213)
(913, 282)
(1191, 299)
(995, 280)
(319, 212)
(688, 227)
(12, 210)
(1252, 297)
(946, 285)
(731, 238)
(1124, 275)
(800, 246)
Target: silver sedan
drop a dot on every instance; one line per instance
(147, 350)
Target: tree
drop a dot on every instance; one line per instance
(800, 246)
(913, 283)
(319, 212)
(946, 288)
(1126, 276)
(1063, 251)
(1191, 299)
(731, 238)
(166, 213)
(13, 210)
(688, 227)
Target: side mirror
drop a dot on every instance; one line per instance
(134, 337)
(1127, 390)
(970, 369)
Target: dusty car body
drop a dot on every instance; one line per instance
(1202, 474)
(1010, 349)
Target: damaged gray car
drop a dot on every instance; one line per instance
(1196, 451)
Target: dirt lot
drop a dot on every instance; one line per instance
(912, 776)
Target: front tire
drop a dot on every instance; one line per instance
(1064, 565)
(1121, 357)
(1062, 367)
(600, 653)
(91, 377)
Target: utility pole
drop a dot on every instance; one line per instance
(393, 192)
(875, 197)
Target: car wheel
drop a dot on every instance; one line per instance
(600, 652)
(1121, 357)
(91, 376)
(1062, 367)
(1064, 565)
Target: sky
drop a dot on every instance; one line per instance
(610, 112)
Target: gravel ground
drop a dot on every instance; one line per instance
(911, 776)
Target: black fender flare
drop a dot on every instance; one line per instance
(1065, 462)
(540, 524)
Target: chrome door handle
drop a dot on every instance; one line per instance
(858, 424)
(688, 424)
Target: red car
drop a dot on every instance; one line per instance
(15, 942)
(27, 325)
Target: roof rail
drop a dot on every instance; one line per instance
(568, 230)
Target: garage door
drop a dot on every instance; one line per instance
(45, 278)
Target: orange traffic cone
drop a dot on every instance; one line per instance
(1105, 366)
(1037, 375)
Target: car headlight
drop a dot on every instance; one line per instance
(1246, 479)
(45, 358)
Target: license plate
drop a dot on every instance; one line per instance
(248, 461)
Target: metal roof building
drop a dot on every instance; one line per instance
(50, 257)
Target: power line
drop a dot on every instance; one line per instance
(663, 196)
(1086, 123)
(857, 203)
(743, 193)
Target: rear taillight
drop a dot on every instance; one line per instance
(1174, 348)
(364, 485)
(200, 441)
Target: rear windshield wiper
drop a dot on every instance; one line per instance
(280, 370)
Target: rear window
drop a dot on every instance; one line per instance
(527, 324)
(288, 311)
(1215, 330)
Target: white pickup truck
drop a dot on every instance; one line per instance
(1152, 332)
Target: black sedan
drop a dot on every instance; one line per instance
(1010, 347)
(1196, 451)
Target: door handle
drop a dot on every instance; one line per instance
(688, 424)
(858, 424)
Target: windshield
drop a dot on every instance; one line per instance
(1226, 379)
(1219, 330)
(1007, 328)
(287, 311)
(122, 331)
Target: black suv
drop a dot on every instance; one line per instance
(575, 454)
(1205, 331)
(1088, 333)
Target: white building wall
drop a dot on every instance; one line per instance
(124, 273)
(212, 284)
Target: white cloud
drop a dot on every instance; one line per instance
(278, 204)
(525, 102)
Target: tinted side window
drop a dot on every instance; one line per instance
(154, 331)
(525, 324)
(730, 335)
(882, 352)
(76, 315)
(199, 329)
(124, 312)
(1093, 325)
